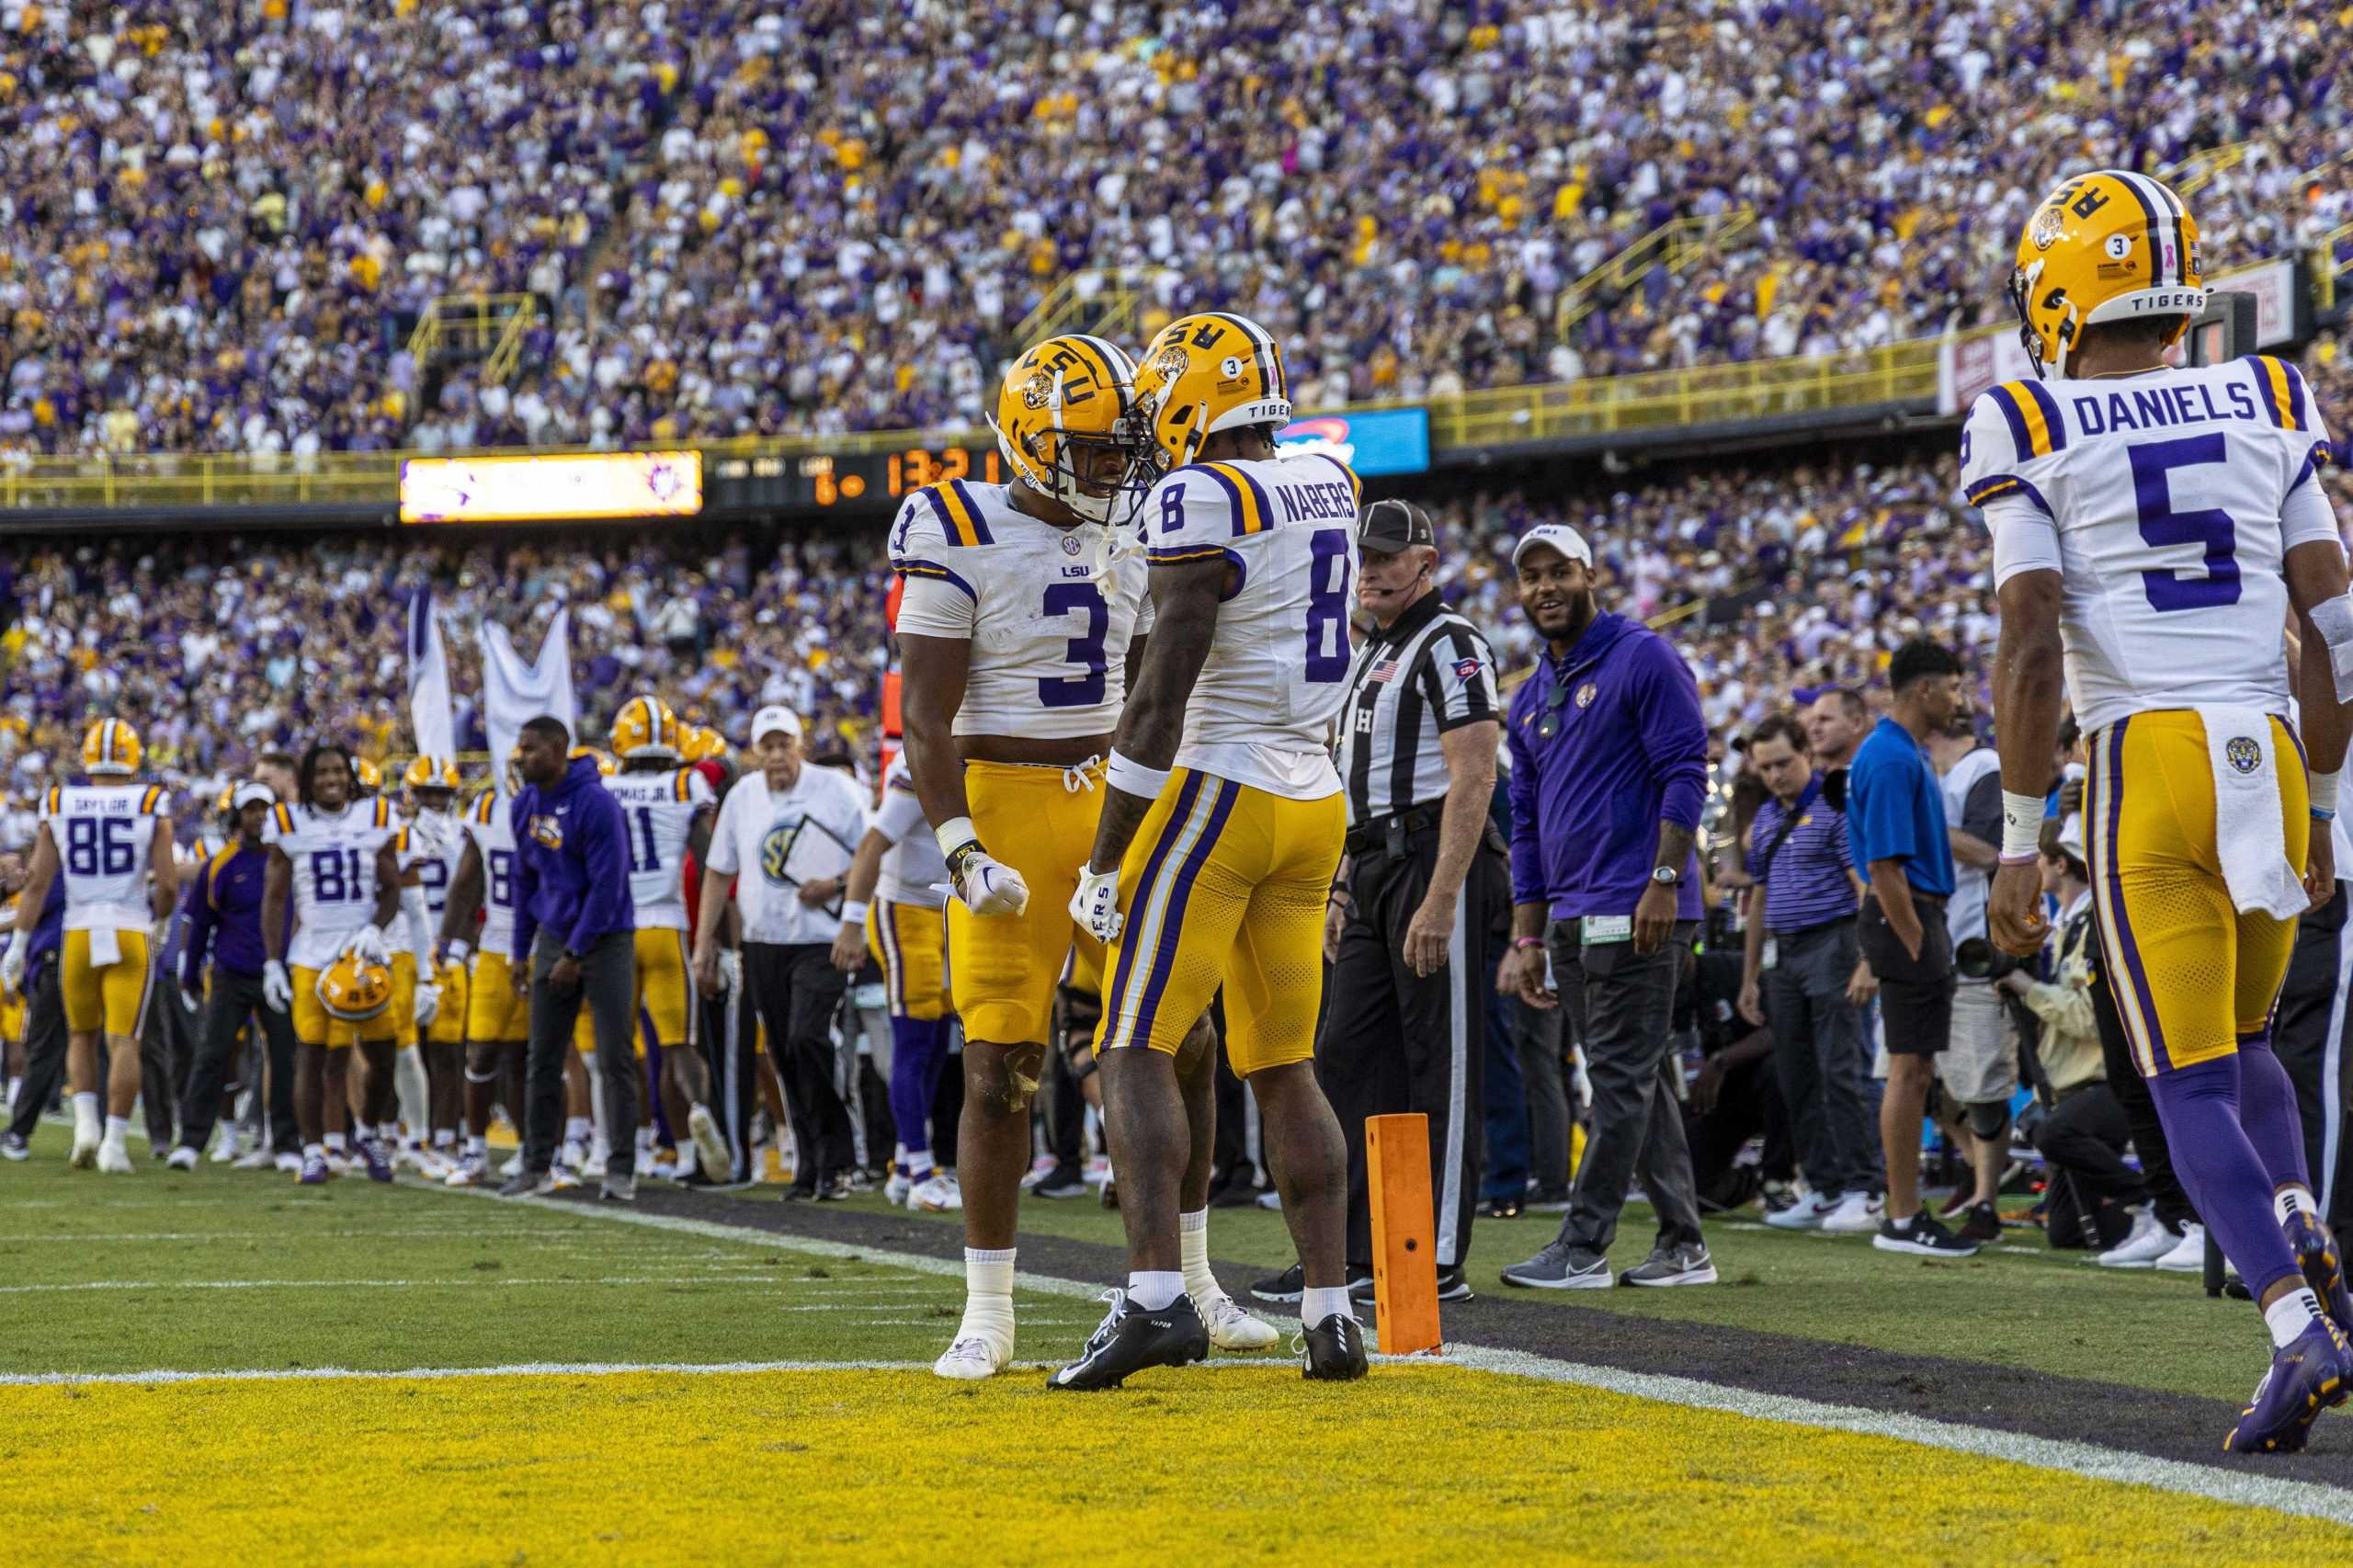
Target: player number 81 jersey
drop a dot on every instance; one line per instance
(2166, 502)
(334, 858)
(1278, 668)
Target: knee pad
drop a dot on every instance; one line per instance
(1076, 1014)
(1989, 1119)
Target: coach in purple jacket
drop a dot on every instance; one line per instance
(1608, 770)
(576, 932)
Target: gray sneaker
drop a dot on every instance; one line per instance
(1563, 1267)
(1685, 1264)
(619, 1190)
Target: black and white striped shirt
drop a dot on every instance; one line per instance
(1429, 673)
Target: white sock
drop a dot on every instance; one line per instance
(389, 1133)
(477, 1148)
(1153, 1288)
(988, 1293)
(410, 1089)
(86, 1109)
(312, 1151)
(645, 1140)
(334, 1143)
(445, 1139)
(118, 1129)
(1320, 1301)
(916, 1163)
(2291, 1315)
(688, 1162)
(1193, 1254)
(576, 1128)
(2292, 1198)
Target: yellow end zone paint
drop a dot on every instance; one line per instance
(1420, 1463)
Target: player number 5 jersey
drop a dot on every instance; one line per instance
(2167, 503)
(105, 837)
(659, 810)
(334, 858)
(1278, 668)
(1048, 611)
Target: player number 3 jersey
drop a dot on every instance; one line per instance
(1048, 611)
(2166, 502)
(105, 836)
(658, 808)
(1278, 669)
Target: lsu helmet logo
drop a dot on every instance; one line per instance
(547, 832)
(2242, 753)
(776, 850)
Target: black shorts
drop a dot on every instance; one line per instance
(1914, 995)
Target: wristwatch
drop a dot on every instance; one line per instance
(1666, 876)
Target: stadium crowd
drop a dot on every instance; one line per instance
(738, 218)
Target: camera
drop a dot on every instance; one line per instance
(1978, 959)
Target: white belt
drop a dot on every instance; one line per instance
(2250, 838)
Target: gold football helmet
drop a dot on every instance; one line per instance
(700, 742)
(1062, 422)
(431, 773)
(366, 778)
(355, 989)
(109, 749)
(1204, 374)
(645, 727)
(605, 764)
(2109, 245)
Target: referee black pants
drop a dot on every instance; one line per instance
(1395, 1041)
(231, 1000)
(797, 990)
(45, 1040)
(2308, 1033)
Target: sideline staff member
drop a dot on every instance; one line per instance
(1421, 907)
(1895, 816)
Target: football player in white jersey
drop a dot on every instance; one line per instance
(1023, 614)
(2153, 531)
(497, 1020)
(111, 840)
(335, 867)
(667, 808)
(1223, 827)
(430, 849)
(891, 909)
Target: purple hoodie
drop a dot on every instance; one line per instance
(572, 860)
(1629, 751)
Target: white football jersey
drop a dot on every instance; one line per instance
(333, 858)
(486, 823)
(433, 844)
(1278, 667)
(106, 841)
(2166, 502)
(1048, 611)
(913, 869)
(659, 807)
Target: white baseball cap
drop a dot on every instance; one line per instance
(775, 717)
(1560, 536)
(251, 791)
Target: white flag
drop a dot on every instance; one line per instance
(428, 682)
(515, 692)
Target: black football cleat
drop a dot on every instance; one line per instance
(1332, 1350)
(1132, 1337)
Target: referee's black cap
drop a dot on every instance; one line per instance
(1388, 527)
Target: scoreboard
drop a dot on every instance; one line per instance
(850, 481)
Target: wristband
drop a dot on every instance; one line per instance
(853, 912)
(2324, 793)
(2021, 827)
(1131, 777)
(1518, 942)
(954, 835)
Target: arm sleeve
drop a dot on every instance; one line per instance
(721, 856)
(1466, 680)
(1527, 857)
(606, 907)
(1981, 811)
(1672, 731)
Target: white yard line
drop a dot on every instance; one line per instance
(467, 1282)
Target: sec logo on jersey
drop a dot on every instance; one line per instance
(776, 850)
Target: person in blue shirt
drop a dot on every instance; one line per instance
(44, 1025)
(224, 924)
(1895, 824)
(576, 920)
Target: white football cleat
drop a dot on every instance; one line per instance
(1858, 1214)
(289, 1162)
(469, 1172)
(338, 1160)
(180, 1159)
(229, 1144)
(514, 1165)
(2186, 1255)
(711, 1144)
(1231, 1328)
(2150, 1239)
(114, 1159)
(972, 1357)
(598, 1162)
(87, 1134)
(895, 1190)
(937, 1194)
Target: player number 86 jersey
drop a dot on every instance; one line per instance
(105, 836)
(1278, 668)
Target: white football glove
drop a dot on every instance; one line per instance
(1095, 905)
(190, 1000)
(428, 1003)
(276, 987)
(12, 962)
(368, 943)
(987, 885)
(456, 950)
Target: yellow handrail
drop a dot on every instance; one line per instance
(1104, 303)
(491, 326)
(1675, 244)
(2192, 175)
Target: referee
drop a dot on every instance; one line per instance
(1422, 904)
